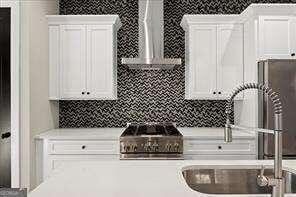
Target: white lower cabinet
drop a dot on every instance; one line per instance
(62, 148)
(220, 157)
(52, 154)
(84, 147)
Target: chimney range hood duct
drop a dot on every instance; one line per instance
(151, 44)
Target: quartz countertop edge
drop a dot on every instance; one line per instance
(114, 133)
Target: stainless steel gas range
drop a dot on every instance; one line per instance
(151, 141)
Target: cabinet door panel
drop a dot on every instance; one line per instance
(230, 59)
(293, 38)
(101, 77)
(202, 62)
(54, 162)
(54, 62)
(276, 37)
(73, 61)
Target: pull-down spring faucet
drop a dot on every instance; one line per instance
(277, 181)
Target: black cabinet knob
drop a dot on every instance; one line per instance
(83, 93)
(214, 92)
(88, 93)
(292, 54)
(83, 147)
(5, 135)
(219, 147)
(219, 93)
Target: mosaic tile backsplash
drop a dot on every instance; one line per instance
(149, 95)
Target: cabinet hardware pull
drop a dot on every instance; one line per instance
(88, 92)
(292, 54)
(83, 147)
(5, 135)
(83, 92)
(219, 147)
(219, 93)
(214, 92)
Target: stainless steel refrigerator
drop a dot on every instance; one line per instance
(280, 75)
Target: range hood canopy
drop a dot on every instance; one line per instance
(151, 45)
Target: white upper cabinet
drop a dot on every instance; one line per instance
(214, 58)
(277, 37)
(83, 57)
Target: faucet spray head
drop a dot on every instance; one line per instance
(227, 132)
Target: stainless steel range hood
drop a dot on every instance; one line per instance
(151, 44)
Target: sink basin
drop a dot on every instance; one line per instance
(232, 179)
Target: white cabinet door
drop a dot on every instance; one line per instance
(54, 62)
(101, 69)
(230, 59)
(202, 62)
(54, 162)
(277, 36)
(73, 61)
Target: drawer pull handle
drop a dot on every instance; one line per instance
(219, 147)
(83, 147)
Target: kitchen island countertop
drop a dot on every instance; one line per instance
(132, 179)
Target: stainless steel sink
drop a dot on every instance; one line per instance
(232, 180)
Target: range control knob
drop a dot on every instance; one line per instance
(154, 147)
(168, 147)
(126, 148)
(148, 146)
(133, 148)
(176, 147)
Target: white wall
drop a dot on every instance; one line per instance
(38, 114)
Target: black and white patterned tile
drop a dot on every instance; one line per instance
(149, 95)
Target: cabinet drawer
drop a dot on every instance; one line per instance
(220, 157)
(218, 147)
(73, 147)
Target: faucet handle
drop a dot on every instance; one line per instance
(262, 170)
(262, 180)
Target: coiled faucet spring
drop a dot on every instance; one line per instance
(274, 97)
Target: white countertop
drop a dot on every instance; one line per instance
(132, 179)
(114, 133)
(82, 133)
(196, 132)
